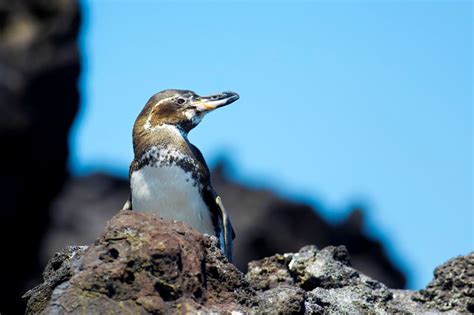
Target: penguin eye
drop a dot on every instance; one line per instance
(180, 101)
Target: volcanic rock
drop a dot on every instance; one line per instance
(142, 264)
(452, 287)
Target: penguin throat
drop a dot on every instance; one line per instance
(172, 129)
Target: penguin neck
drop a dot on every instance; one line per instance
(169, 131)
(166, 137)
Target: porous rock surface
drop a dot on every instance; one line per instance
(142, 264)
(452, 287)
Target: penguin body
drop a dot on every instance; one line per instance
(169, 176)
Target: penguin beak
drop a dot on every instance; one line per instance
(208, 103)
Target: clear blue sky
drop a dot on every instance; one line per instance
(341, 102)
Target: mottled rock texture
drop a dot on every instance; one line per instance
(142, 264)
(452, 288)
(39, 68)
(58, 270)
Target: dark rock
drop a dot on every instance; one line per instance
(452, 288)
(402, 300)
(266, 224)
(58, 270)
(312, 268)
(284, 299)
(142, 264)
(39, 68)
(270, 272)
(333, 287)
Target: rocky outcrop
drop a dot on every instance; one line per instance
(267, 223)
(142, 264)
(39, 68)
(452, 287)
(80, 213)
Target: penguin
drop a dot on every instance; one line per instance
(169, 176)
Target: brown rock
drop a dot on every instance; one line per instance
(143, 264)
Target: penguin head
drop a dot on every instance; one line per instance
(181, 108)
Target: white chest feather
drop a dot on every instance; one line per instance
(169, 192)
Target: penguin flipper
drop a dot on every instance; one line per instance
(228, 230)
(128, 204)
(217, 208)
(227, 234)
